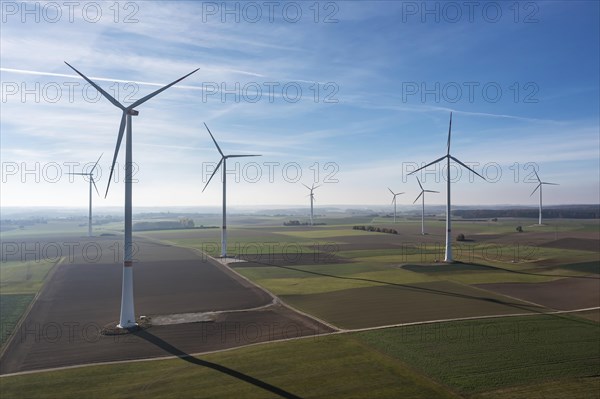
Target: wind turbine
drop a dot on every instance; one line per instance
(394, 201)
(90, 176)
(312, 199)
(540, 184)
(127, 317)
(448, 157)
(224, 162)
(422, 195)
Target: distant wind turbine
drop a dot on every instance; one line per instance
(312, 200)
(394, 201)
(224, 168)
(540, 184)
(422, 196)
(90, 176)
(127, 318)
(448, 157)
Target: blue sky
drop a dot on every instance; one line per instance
(522, 81)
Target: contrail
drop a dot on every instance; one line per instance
(64, 75)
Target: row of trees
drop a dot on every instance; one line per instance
(183, 223)
(550, 212)
(299, 223)
(376, 229)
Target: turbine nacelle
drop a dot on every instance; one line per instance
(223, 157)
(311, 189)
(447, 156)
(90, 174)
(422, 190)
(540, 183)
(395, 195)
(127, 111)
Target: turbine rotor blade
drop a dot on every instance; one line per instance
(79, 174)
(305, 185)
(418, 181)
(119, 139)
(456, 160)
(534, 190)
(551, 184)
(431, 191)
(391, 191)
(315, 187)
(213, 173)
(449, 133)
(154, 93)
(104, 93)
(419, 196)
(241, 156)
(96, 164)
(429, 164)
(215, 141)
(94, 183)
(537, 176)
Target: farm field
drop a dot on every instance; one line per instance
(330, 271)
(20, 281)
(492, 354)
(300, 199)
(341, 279)
(498, 358)
(83, 294)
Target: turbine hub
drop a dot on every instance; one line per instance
(133, 112)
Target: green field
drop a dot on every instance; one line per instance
(12, 307)
(483, 355)
(19, 282)
(334, 366)
(373, 280)
(544, 356)
(366, 263)
(560, 388)
(23, 277)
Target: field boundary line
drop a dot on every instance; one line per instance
(338, 332)
(497, 316)
(501, 294)
(275, 298)
(30, 306)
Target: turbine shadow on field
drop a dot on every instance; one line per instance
(153, 339)
(501, 269)
(528, 308)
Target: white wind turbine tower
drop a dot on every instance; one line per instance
(394, 201)
(312, 200)
(540, 184)
(127, 317)
(448, 157)
(90, 176)
(422, 196)
(224, 162)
